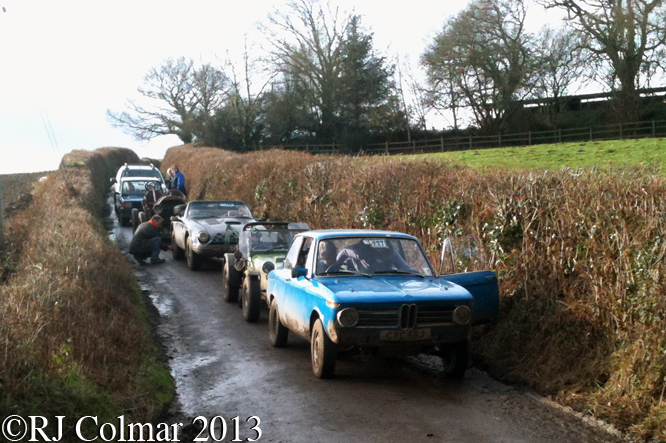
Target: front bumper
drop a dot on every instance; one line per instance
(212, 250)
(415, 339)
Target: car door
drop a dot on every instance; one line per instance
(484, 288)
(295, 301)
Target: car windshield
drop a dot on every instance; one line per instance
(218, 210)
(371, 256)
(261, 238)
(134, 187)
(131, 172)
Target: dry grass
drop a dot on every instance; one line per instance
(73, 340)
(580, 257)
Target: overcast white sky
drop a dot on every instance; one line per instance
(64, 63)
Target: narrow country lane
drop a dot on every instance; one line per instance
(225, 367)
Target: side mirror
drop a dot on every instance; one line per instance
(298, 271)
(238, 254)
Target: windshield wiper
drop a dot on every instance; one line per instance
(399, 271)
(346, 271)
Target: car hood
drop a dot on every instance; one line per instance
(389, 289)
(213, 224)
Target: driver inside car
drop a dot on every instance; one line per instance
(257, 241)
(367, 257)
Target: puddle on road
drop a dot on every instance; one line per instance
(163, 304)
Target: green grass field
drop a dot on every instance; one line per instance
(602, 154)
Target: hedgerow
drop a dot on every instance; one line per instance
(580, 257)
(74, 337)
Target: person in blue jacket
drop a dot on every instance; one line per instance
(178, 181)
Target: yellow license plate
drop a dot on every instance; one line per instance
(408, 335)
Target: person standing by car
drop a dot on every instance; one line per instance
(147, 242)
(178, 181)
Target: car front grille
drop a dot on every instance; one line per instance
(434, 315)
(220, 239)
(378, 317)
(403, 316)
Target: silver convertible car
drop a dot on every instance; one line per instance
(206, 228)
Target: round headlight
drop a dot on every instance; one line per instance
(268, 267)
(348, 317)
(462, 315)
(203, 237)
(157, 209)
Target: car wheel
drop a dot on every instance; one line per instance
(323, 352)
(229, 292)
(455, 358)
(193, 259)
(277, 332)
(176, 251)
(251, 298)
(135, 219)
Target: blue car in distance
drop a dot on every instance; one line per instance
(377, 291)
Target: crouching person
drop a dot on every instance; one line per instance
(147, 242)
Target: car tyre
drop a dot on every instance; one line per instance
(229, 291)
(277, 332)
(323, 351)
(251, 299)
(135, 219)
(455, 359)
(177, 252)
(193, 259)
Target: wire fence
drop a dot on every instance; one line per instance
(644, 129)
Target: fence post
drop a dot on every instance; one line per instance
(414, 146)
(621, 132)
(654, 129)
(441, 142)
(529, 137)
(307, 147)
(470, 142)
(559, 135)
(499, 139)
(387, 147)
(590, 132)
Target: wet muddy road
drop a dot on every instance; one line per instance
(225, 367)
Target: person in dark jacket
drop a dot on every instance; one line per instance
(147, 242)
(178, 181)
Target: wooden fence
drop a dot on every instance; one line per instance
(645, 129)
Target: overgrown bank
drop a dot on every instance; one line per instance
(580, 257)
(74, 333)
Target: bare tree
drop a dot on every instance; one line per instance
(482, 57)
(562, 61)
(308, 41)
(179, 94)
(626, 38)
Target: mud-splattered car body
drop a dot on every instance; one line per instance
(208, 228)
(262, 248)
(375, 290)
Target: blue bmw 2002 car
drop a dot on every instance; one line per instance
(377, 290)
